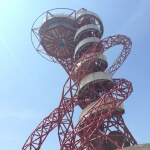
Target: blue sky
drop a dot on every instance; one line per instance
(30, 86)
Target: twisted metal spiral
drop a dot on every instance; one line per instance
(96, 123)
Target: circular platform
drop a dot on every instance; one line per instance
(54, 38)
(96, 77)
(106, 108)
(81, 15)
(57, 36)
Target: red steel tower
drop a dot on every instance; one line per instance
(73, 39)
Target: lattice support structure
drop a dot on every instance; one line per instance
(73, 39)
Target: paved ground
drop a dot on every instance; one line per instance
(138, 147)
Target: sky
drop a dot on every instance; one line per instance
(31, 86)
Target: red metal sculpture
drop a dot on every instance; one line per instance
(73, 40)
